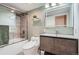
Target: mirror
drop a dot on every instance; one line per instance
(59, 19)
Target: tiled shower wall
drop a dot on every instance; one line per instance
(24, 26)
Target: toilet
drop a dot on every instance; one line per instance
(31, 48)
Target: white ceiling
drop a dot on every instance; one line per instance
(24, 7)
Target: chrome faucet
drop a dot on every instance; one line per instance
(56, 32)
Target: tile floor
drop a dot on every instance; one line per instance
(12, 49)
(15, 49)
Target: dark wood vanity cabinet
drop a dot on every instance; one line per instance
(59, 46)
(46, 43)
(65, 46)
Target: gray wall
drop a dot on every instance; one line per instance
(35, 30)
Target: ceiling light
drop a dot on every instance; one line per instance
(12, 11)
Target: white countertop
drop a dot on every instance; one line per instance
(59, 35)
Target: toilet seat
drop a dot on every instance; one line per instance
(37, 39)
(31, 48)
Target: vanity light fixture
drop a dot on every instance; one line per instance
(47, 5)
(35, 18)
(53, 4)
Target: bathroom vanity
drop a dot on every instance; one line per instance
(60, 34)
(59, 45)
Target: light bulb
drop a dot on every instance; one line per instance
(12, 11)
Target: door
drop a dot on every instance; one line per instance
(46, 44)
(66, 46)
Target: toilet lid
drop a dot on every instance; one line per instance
(29, 45)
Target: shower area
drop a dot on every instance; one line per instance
(12, 27)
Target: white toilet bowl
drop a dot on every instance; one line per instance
(31, 48)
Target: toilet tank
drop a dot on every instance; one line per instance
(37, 39)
